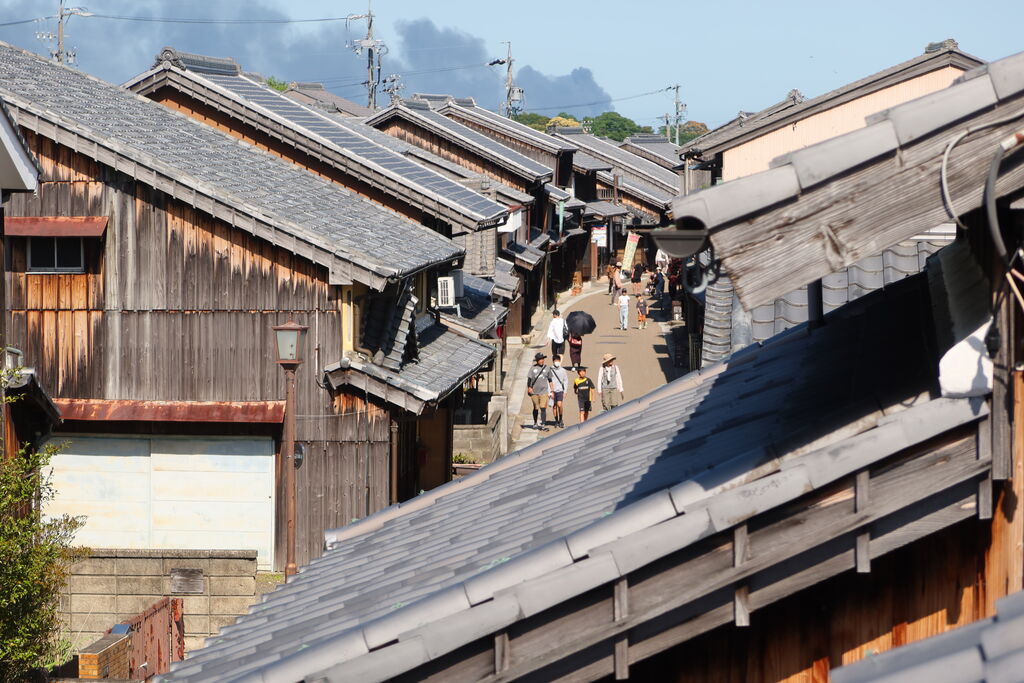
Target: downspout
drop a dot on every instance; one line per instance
(394, 461)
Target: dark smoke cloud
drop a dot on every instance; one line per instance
(424, 54)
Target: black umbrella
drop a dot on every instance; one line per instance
(580, 323)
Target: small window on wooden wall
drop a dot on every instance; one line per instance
(56, 255)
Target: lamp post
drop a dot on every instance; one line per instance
(291, 338)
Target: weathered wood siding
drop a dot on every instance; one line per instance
(606, 191)
(424, 139)
(177, 305)
(930, 587)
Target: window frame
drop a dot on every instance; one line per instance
(55, 269)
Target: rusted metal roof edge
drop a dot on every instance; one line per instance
(116, 410)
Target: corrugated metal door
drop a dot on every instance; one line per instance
(167, 492)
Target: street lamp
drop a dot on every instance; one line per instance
(291, 342)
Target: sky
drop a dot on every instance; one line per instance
(584, 58)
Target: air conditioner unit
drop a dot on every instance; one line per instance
(446, 292)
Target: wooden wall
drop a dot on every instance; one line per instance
(176, 305)
(925, 589)
(526, 150)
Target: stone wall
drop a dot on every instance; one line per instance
(484, 442)
(113, 585)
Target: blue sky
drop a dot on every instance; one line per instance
(727, 55)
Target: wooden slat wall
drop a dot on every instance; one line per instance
(177, 305)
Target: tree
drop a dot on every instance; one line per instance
(535, 121)
(687, 131)
(563, 121)
(615, 126)
(277, 84)
(35, 559)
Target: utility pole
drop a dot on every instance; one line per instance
(375, 49)
(513, 103)
(668, 129)
(63, 14)
(680, 110)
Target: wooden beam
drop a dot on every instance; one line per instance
(502, 652)
(741, 593)
(861, 486)
(620, 610)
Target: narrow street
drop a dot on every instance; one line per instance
(642, 355)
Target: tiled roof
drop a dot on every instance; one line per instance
(987, 651)
(313, 128)
(253, 183)
(19, 168)
(310, 93)
(422, 115)
(467, 109)
(604, 209)
(656, 148)
(506, 282)
(587, 164)
(794, 107)
(476, 310)
(444, 360)
(409, 581)
(644, 173)
(743, 215)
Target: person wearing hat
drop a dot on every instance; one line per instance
(538, 385)
(583, 387)
(609, 382)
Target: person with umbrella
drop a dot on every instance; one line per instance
(578, 323)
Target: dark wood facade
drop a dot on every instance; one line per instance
(177, 305)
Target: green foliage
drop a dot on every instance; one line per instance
(276, 84)
(565, 121)
(688, 131)
(464, 459)
(535, 121)
(615, 126)
(35, 559)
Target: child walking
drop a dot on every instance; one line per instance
(641, 312)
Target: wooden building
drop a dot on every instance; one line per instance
(748, 143)
(526, 244)
(847, 486)
(144, 278)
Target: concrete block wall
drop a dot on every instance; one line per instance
(483, 442)
(113, 585)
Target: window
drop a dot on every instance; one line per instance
(55, 255)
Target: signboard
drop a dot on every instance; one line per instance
(599, 235)
(630, 253)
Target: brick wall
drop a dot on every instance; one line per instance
(113, 585)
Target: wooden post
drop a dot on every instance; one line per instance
(741, 595)
(984, 447)
(620, 609)
(502, 654)
(862, 550)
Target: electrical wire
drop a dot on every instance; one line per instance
(334, 81)
(588, 104)
(172, 20)
(25, 21)
(944, 168)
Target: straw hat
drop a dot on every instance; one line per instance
(607, 358)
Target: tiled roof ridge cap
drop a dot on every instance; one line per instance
(216, 194)
(198, 62)
(598, 541)
(378, 519)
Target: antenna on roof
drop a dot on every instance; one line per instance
(375, 49)
(393, 86)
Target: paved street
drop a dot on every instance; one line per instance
(642, 355)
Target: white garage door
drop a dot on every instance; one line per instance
(169, 492)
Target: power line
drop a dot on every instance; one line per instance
(588, 104)
(335, 81)
(173, 20)
(26, 21)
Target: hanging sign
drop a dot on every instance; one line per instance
(630, 253)
(599, 235)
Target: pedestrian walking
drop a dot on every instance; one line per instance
(609, 382)
(559, 385)
(583, 387)
(659, 289)
(637, 278)
(623, 309)
(538, 386)
(610, 272)
(641, 312)
(575, 350)
(557, 331)
(616, 281)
